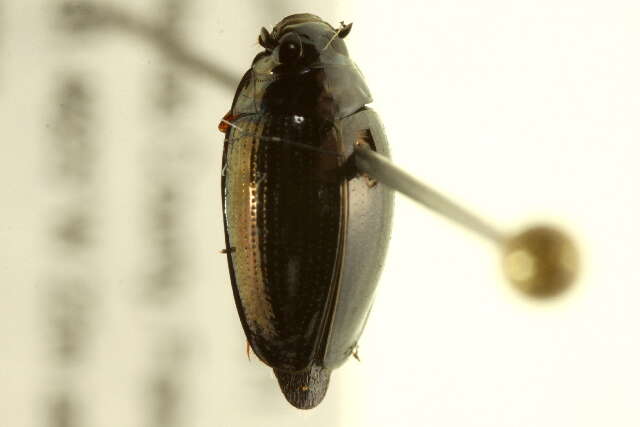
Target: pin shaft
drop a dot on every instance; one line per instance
(382, 170)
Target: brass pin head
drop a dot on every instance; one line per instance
(540, 261)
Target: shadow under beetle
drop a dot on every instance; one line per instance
(306, 234)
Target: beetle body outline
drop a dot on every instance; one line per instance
(306, 235)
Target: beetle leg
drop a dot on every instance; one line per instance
(365, 139)
(355, 353)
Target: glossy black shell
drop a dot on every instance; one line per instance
(306, 235)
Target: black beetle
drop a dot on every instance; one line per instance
(306, 234)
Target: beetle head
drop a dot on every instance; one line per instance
(300, 42)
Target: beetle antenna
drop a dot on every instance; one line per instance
(332, 38)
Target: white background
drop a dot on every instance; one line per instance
(523, 110)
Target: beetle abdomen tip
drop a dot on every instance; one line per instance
(306, 389)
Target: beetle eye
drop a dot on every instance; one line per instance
(290, 49)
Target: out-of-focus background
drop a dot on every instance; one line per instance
(116, 307)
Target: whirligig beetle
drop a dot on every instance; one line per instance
(306, 224)
(306, 234)
(306, 221)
